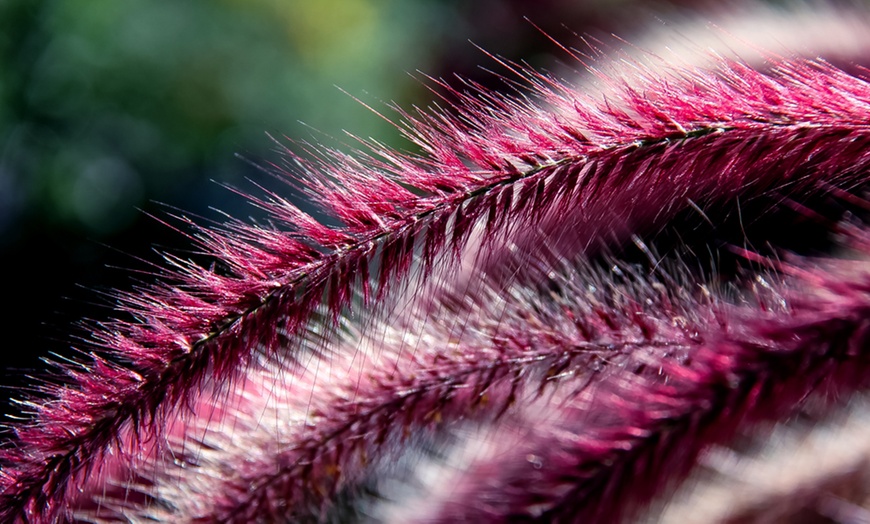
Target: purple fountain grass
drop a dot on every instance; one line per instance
(442, 374)
(557, 165)
(602, 453)
(825, 452)
(477, 369)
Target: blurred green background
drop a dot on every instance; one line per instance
(108, 107)
(108, 104)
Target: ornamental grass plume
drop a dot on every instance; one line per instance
(490, 334)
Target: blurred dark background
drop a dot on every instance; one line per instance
(109, 110)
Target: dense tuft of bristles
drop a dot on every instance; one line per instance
(622, 440)
(634, 378)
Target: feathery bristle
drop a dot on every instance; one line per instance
(554, 167)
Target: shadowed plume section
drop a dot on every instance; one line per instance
(600, 390)
(502, 166)
(628, 437)
(472, 361)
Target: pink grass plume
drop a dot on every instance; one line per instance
(363, 343)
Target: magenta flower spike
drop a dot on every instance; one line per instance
(482, 287)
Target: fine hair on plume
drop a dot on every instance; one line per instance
(572, 299)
